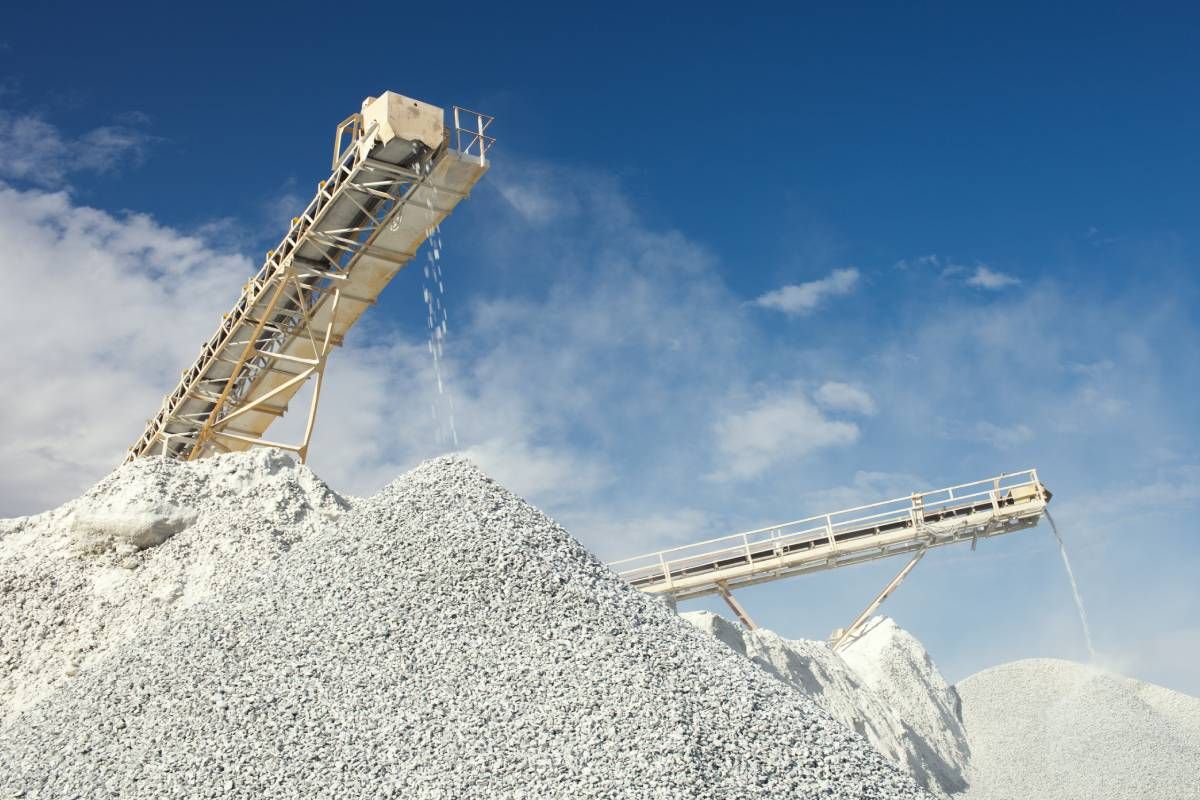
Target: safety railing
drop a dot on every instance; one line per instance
(916, 510)
(471, 127)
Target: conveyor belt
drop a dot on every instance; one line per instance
(968, 512)
(384, 196)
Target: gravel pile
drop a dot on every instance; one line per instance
(442, 639)
(884, 686)
(1056, 730)
(898, 670)
(139, 548)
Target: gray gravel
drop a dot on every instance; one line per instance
(884, 686)
(441, 640)
(1056, 730)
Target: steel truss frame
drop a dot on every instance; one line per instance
(276, 310)
(964, 513)
(911, 525)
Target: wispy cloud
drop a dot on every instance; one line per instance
(779, 426)
(38, 152)
(981, 276)
(538, 196)
(618, 536)
(804, 298)
(557, 475)
(837, 396)
(985, 278)
(919, 262)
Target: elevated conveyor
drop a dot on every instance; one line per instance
(965, 513)
(397, 172)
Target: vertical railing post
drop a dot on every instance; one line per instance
(479, 126)
(916, 510)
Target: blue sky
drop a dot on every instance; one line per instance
(726, 270)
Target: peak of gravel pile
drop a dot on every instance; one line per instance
(142, 546)
(884, 686)
(898, 669)
(1058, 730)
(442, 639)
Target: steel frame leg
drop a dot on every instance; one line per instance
(736, 606)
(851, 632)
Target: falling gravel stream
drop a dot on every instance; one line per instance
(434, 292)
(1062, 548)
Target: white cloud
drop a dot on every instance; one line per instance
(951, 270)
(36, 151)
(804, 298)
(837, 396)
(780, 426)
(112, 308)
(615, 537)
(919, 262)
(1176, 486)
(530, 203)
(537, 194)
(985, 278)
(551, 474)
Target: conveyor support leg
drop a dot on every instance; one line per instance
(851, 632)
(736, 606)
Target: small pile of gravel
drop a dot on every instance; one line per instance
(1056, 730)
(442, 639)
(884, 686)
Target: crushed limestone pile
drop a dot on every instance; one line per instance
(895, 666)
(142, 546)
(1057, 730)
(884, 686)
(442, 639)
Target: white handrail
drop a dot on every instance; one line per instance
(475, 134)
(736, 542)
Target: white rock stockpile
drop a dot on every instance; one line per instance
(1041, 728)
(217, 636)
(1058, 730)
(895, 666)
(139, 548)
(884, 686)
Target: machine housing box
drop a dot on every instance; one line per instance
(400, 117)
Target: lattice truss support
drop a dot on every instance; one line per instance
(212, 429)
(909, 525)
(365, 222)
